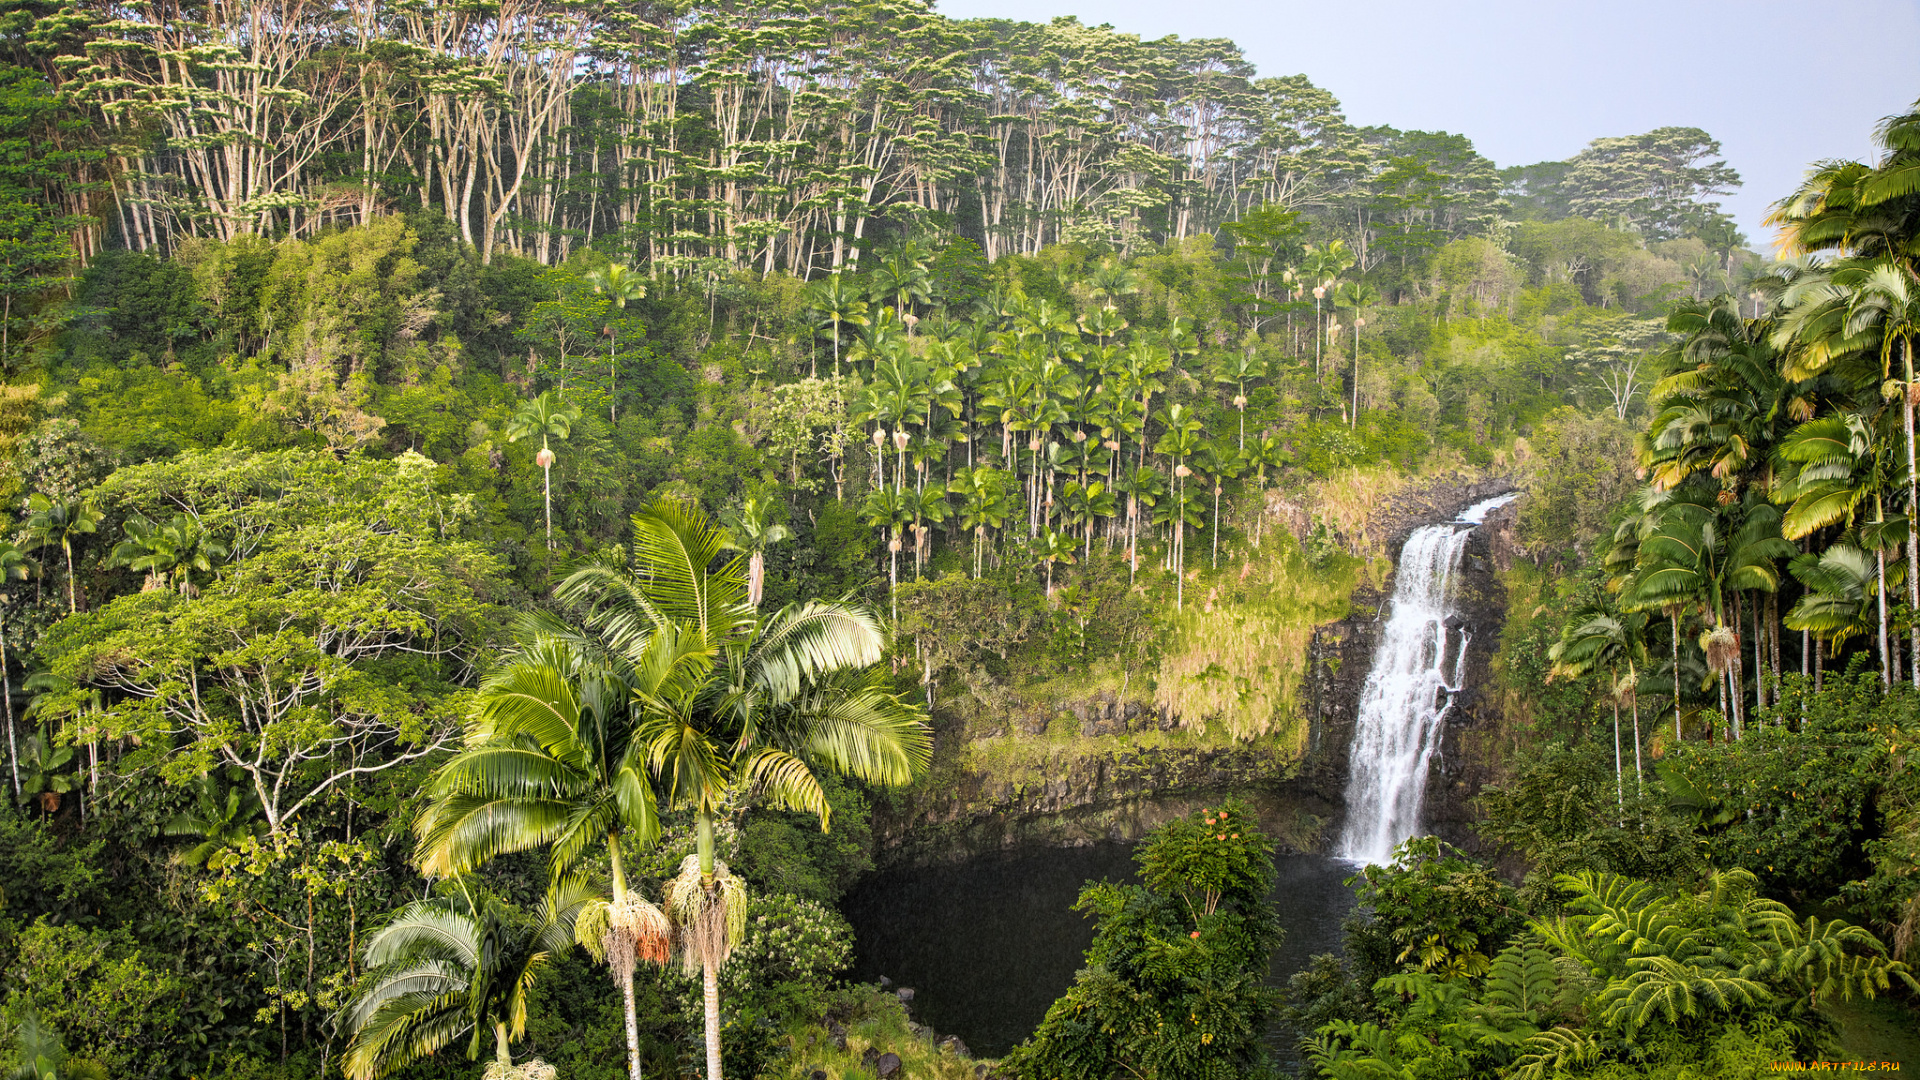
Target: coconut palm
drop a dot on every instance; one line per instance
(754, 531)
(14, 566)
(550, 418)
(733, 701)
(62, 522)
(459, 963)
(619, 285)
(552, 761)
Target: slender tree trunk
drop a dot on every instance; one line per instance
(1639, 775)
(626, 977)
(1673, 614)
(1886, 654)
(1619, 783)
(710, 999)
(709, 972)
(1913, 517)
(6, 687)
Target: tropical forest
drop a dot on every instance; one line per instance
(827, 540)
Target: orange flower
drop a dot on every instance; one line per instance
(1195, 934)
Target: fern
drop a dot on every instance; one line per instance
(1555, 1053)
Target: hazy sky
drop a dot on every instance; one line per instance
(1535, 81)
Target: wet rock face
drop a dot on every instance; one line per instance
(1342, 657)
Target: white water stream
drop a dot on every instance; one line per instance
(1417, 670)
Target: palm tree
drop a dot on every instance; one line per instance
(1601, 637)
(1219, 463)
(48, 776)
(1144, 488)
(1265, 453)
(983, 506)
(550, 418)
(1237, 368)
(1181, 441)
(14, 566)
(733, 701)
(168, 553)
(1841, 585)
(890, 509)
(619, 285)
(1053, 546)
(62, 522)
(1700, 551)
(461, 962)
(43, 1056)
(834, 301)
(754, 531)
(1360, 298)
(218, 818)
(552, 760)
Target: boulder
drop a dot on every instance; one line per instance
(953, 1044)
(905, 994)
(1033, 723)
(887, 1066)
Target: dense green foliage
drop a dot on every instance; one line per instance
(1172, 987)
(352, 369)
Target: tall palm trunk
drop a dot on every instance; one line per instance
(6, 687)
(709, 971)
(1619, 782)
(626, 974)
(1639, 773)
(1913, 516)
(1673, 614)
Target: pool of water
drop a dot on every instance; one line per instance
(988, 944)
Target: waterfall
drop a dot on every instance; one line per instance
(1417, 670)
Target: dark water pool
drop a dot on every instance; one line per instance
(987, 945)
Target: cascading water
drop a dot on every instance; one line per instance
(1417, 670)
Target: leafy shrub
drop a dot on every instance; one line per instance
(1174, 981)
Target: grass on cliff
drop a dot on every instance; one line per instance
(1236, 657)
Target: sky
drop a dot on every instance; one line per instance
(1537, 80)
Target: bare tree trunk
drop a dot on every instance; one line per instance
(6, 687)
(710, 999)
(1913, 517)
(1619, 783)
(1673, 614)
